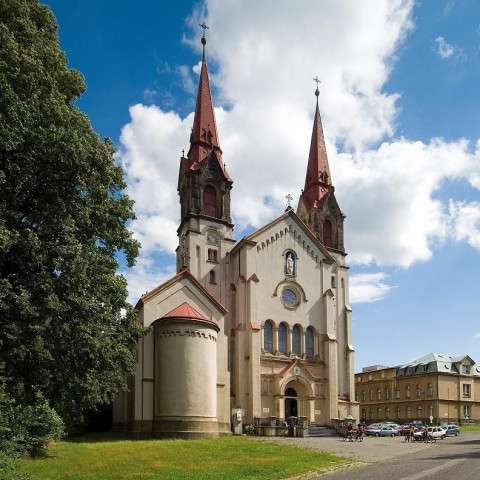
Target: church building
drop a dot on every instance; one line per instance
(261, 325)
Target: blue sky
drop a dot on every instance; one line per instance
(418, 83)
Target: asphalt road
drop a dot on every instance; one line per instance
(450, 459)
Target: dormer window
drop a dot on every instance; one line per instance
(466, 369)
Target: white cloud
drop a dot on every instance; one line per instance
(465, 217)
(368, 287)
(476, 335)
(265, 60)
(145, 276)
(444, 49)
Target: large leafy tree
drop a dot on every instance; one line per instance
(67, 332)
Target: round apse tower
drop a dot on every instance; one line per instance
(185, 374)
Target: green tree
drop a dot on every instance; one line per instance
(66, 330)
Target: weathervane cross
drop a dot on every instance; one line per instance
(318, 82)
(289, 200)
(204, 27)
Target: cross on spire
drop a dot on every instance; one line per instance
(204, 27)
(289, 199)
(318, 82)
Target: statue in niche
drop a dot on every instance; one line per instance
(290, 266)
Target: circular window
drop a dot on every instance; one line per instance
(289, 298)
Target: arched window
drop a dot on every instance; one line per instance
(296, 340)
(210, 201)
(309, 337)
(268, 336)
(327, 233)
(211, 277)
(430, 390)
(282, 338)
(379, 394)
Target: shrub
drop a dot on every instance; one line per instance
(249, 429)
(8, 469)
(27, 429)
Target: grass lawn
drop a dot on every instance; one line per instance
(99, 457)
(472, 427)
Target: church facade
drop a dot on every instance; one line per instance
(261, 325)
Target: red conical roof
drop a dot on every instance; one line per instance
(318, 182)
(185, 311)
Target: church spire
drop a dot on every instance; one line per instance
(204, 137)
(317, 206)
(317, 181)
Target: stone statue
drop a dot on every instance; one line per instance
(290, 264)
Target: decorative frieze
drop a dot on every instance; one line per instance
(186, 333)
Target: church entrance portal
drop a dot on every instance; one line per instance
(291, 403)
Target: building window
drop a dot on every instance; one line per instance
(282, 338)
(364, 414)
(466, 369)
(418, 391)
(430, 390)
(467, 390)
(327, 233)
(397, 394)
(419, 411)
(364, 395)
(211, 277)
(370, 395)
(398, 412)
(212, 255)
(379, 413)
(467, 412)
(268, 337)
(309, 336)
(407, 391)
(210, 201)
(387, 413)
(387, 394)
(379, 394)
(409, 412)
(296, 340)
(356, 396)
(430, 410)
(333, 282)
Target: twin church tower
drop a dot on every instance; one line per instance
(259, 327)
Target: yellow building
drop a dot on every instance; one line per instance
(440, 386)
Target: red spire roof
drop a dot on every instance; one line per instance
(204, 137)
(185, 311)
(318, 182)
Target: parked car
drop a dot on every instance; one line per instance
(433, 432)
(394, 425)
(452, 430)
(381, 431)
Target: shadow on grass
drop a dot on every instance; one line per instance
(97, 437)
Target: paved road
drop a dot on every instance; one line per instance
(450, 459)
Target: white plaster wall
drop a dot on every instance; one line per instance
(186, 370)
